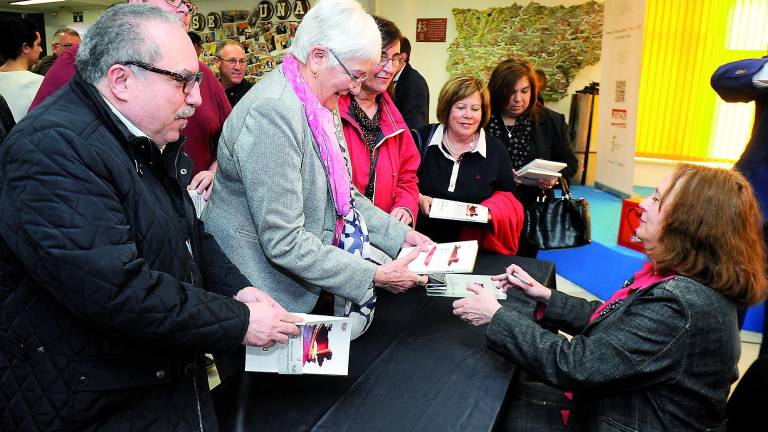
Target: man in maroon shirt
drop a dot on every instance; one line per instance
(204, 127)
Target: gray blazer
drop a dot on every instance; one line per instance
(272, 210)
(663, 360)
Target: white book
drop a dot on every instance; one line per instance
(457, 257)
(321, 348)
(198, 201)
(456, 286)
(541, 169)
(456, 210)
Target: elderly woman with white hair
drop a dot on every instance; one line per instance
(284, 210)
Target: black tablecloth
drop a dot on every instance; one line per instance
(417, 368)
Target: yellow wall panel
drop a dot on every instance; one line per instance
(680, 117)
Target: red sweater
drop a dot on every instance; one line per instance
(502, 233)
(203, 129)
(396, 181)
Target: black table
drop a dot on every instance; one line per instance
(417, 368)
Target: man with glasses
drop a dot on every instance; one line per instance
(63, 39)
(111, 288)
(233, 66)
(204, 127)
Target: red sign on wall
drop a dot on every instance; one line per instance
(431, 29)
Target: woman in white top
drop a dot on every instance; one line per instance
(20, 47)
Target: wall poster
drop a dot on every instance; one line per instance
(619, 93)
(266, 33)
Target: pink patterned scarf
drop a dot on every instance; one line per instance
(320, 121)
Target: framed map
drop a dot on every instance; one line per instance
(559, 40)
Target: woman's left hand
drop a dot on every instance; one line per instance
(545, 184)
(415, 238)
(402, 215)
(478, 309)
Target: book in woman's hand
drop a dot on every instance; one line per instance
(455, 210)
(458, 257)
(321, 348)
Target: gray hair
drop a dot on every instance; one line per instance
(341, 25)
(64, 30)
(117, 37)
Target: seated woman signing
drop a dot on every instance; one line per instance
(661, 353)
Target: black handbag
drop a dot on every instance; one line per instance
(554, 223)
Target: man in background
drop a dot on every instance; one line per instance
(204, 128)
(110, 288)
(63, 39)
(411, 93)
(233, 66)
(747, 81)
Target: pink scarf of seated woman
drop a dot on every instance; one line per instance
(320, 121)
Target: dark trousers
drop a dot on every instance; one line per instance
(749, 399)
(533, 406)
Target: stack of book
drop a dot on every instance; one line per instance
(539, 169)
(455, 285)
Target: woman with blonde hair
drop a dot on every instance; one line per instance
(661, 353)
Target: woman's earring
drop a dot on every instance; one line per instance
(314, 74)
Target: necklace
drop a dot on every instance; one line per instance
(457, 155)
(509, 133)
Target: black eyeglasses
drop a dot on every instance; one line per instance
(187, 80)
(177, 4)
(397, 60)
(356, 81)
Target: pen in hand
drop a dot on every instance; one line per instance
(519, 277)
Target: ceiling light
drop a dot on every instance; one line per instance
(33, 2)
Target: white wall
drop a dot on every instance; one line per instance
(57, 20)
(430, 58)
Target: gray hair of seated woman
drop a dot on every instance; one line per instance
(341, 25)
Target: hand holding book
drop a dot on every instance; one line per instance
(540, 172)
(396, 276)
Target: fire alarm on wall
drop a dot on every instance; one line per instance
(77, 17)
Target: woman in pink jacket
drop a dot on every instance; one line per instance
(383, 156)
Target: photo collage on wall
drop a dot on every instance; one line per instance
(265, 32)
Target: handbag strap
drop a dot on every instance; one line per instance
(566, 191)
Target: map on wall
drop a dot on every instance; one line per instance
(559, 40)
